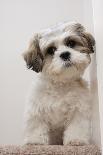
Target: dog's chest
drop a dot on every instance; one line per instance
(56, 104)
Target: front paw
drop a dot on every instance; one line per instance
(36, 140)
(77, 142)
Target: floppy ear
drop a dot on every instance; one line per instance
(90, 41)
(79, 28)
(33, 56)
(89, 38)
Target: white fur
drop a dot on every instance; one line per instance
(60, 100)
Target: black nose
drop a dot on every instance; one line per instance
(65, 55)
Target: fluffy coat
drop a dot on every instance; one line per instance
(58, 110)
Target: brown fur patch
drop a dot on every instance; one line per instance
(84, 42)
(33, 56)
(88, 41)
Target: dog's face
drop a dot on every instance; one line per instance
(61, 51)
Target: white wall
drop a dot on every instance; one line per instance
(98, 30)
(92, 74)
(19, 20)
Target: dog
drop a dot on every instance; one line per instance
(58, 111)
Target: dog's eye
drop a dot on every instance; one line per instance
(71, 43)
(51, 50)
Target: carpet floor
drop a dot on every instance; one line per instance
(49, 150)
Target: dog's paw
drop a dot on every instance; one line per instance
(77, 142)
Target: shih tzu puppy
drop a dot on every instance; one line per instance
(59, 107)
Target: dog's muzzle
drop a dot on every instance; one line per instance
(66, 57)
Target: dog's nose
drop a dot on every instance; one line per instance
(65, 55)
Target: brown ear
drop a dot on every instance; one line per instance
(33, 56)
(90, 41)
(79, 28)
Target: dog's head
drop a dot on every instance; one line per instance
(61, 51)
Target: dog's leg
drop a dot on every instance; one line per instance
(78, 131)
(36, 132)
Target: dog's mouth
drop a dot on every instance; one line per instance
(67, 64)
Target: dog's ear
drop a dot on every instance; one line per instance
(90, 41)
(33, 55)
(74, 27)
(77, 27)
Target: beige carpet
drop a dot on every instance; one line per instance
(49, 150)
